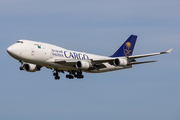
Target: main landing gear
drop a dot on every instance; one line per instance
(56, 75)
(71, 75)
(74, 74)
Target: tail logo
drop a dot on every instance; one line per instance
(127, 50)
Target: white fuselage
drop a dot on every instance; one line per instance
(44, 54)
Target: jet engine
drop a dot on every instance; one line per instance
(82, 65)
(120, 62)
(31, 68)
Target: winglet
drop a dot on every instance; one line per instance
(168, 51)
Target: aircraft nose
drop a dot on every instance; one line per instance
(9, 50)
(12, 50)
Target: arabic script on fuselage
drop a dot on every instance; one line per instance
(69, 54)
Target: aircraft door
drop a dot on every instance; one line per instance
(51, 55)
(32, 52)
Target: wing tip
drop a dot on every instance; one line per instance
(168, 51)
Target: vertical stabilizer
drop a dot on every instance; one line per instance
(127, 47)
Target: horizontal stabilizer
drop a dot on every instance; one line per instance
(135, 63)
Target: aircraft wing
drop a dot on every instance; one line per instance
(147, 55)
(61, 61)
(72, 61)
(98, 63)
(69, 62)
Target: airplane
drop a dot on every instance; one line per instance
(34, 55)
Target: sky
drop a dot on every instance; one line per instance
(147, 91)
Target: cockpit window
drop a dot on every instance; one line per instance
(19, 41)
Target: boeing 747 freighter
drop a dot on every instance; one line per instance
(35, 55)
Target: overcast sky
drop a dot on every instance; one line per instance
(145, 92)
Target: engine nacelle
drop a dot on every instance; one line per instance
(82, 65)
(120, 62)
(30, 68)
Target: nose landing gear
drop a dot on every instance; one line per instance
(21, 68)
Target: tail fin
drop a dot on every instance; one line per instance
(127, 48)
